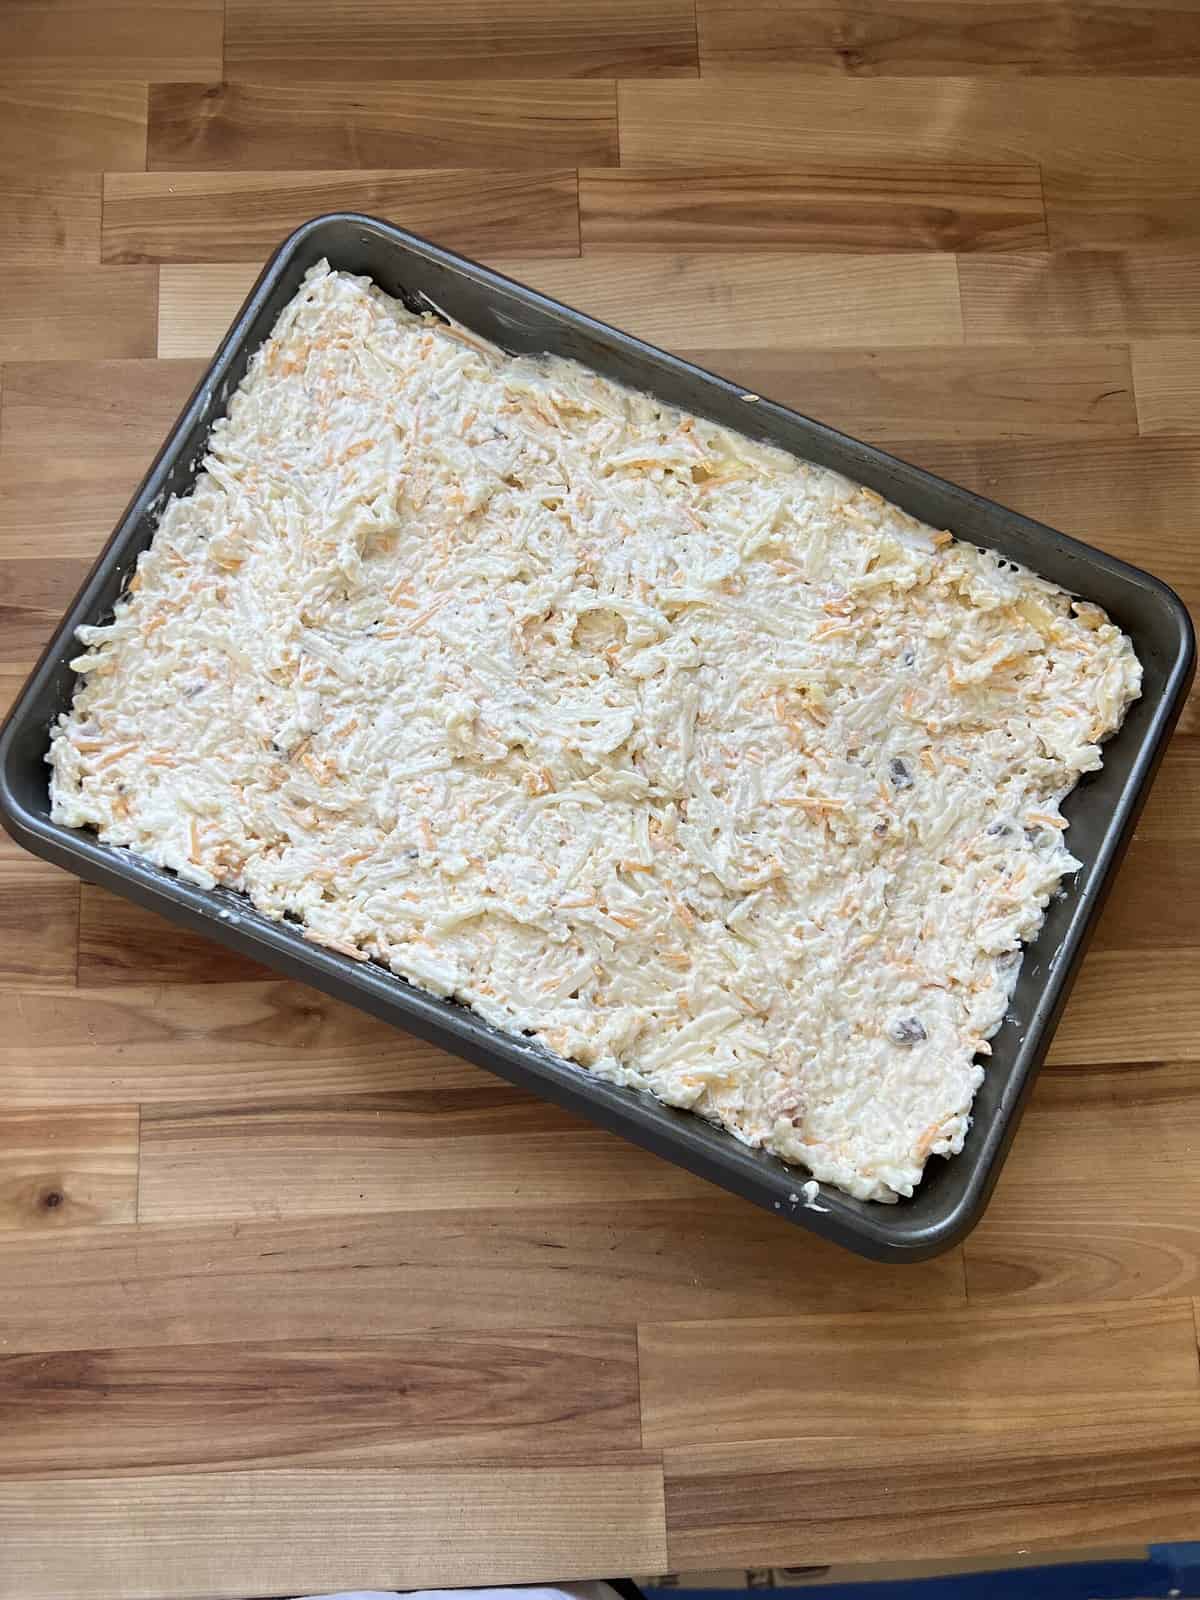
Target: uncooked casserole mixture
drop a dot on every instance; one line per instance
(713, 772)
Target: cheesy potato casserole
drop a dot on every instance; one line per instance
(711, 771)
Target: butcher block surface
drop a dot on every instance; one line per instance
(290, 1301)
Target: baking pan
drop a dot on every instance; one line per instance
(1102, 810)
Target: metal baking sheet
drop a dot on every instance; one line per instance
(1102, 810)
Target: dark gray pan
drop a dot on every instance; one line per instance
(1102, 811)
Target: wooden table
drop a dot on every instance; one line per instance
(289, 1301)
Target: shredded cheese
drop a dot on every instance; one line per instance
(709, 770)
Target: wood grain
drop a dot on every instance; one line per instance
(565, 1266)
(925, 38)
(86, 408)
(415, 1151)
(1022, 1491)
(57, 124)
(1151, 901)
(50, 219)
(1117, 167)
(56, 513)
(430, 1398)
(1065, 1227)
(1081, 294)
(1173, 809)
(76, 438)
(226, 1535)
(104, 39)
(196, 305)
(271, 1040)
(824, 206)
(760, 119)
(39, 906)
(299, 40)
(970, 1371)
(1188, 725)
(1068, 390)
(23, 635)
(45, 583)
(66, 1170)
(1110, 203)
(242, 216)
(1166, 375)
(772, 301)
(49, 313)
(791, 302)
(529, 123)
(120, 943)
(1139, 1004)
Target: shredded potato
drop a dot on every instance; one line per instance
(716, 774)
